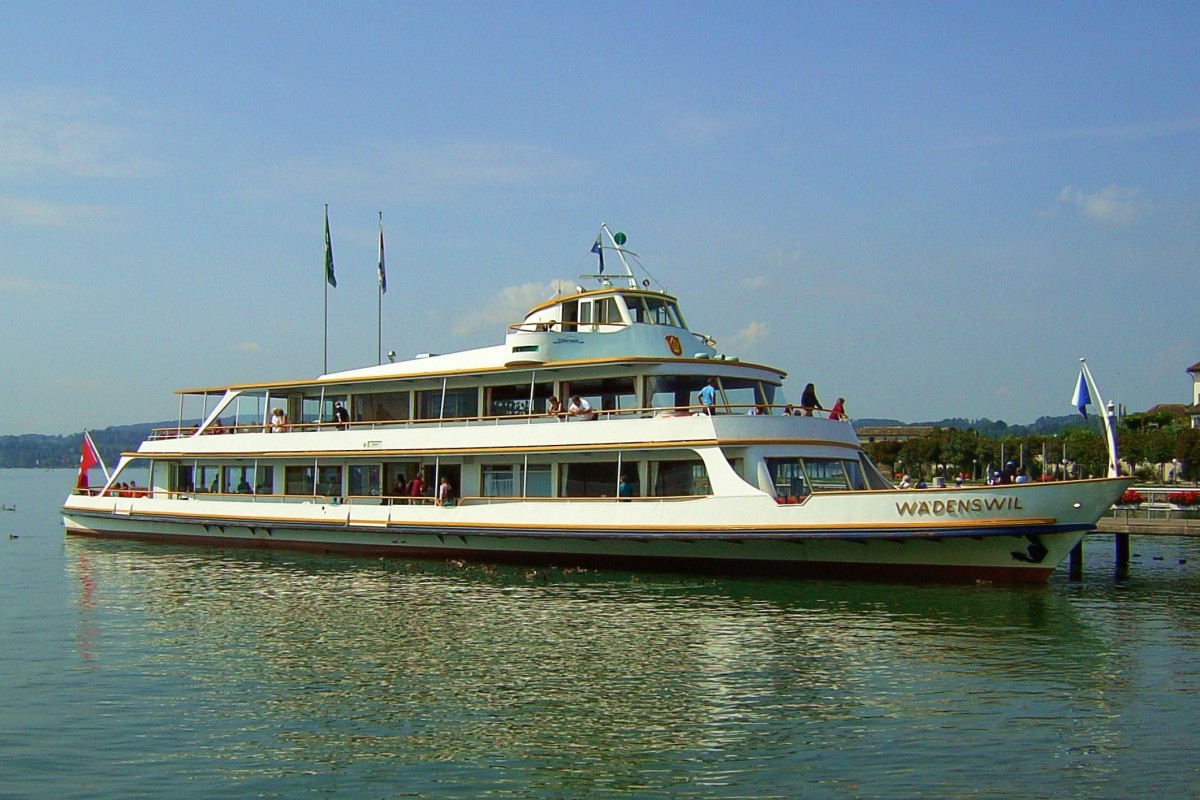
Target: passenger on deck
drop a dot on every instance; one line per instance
(839, 409)
(444, 492)
(580, 409)
(809, 401)
(554, 407)
(416, 487)
(708, 397)
(278, 420)
(789, 410)
(341, 416)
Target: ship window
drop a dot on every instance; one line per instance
(658, 311)
(499, 481)
(505, 480)
(607, 312)
(608, 394)
(365, 480)
(208, 478)
(298, 480)
(788, 477)
(329, 480)
(239, 479)
(742, 393)
(589, 479)
(514, 400)
(265, 479)
(380, 407)
(854, 474)
(874, 479)
(679, 478)
(674, 391)
(460, 404)
(827, 474)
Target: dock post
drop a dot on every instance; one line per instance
(1121, 556)
(1075, 564)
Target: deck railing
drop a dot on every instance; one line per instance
(733, 409)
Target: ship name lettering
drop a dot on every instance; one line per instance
(971, 505)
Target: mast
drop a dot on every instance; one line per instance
(1110, 435)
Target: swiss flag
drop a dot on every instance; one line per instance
(88, 458)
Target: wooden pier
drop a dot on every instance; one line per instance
(1123, 524)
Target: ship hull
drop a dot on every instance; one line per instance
(1010, 541)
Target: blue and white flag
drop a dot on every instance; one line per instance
(1082, 397)
(382, 272)
(598, 250)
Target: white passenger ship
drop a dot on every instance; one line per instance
(652, 482)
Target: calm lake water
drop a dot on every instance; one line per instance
(139, 671)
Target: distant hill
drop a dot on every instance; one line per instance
(993, 429)
(41, 450)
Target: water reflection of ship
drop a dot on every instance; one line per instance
(297, 618)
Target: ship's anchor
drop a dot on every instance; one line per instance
(1035, 553)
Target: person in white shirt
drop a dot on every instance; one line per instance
(580, 409)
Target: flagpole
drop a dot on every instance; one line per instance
(379, 311)
(325, 284)
(1110, 434)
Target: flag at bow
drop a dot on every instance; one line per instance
(329, 276)
(382, 272)
(1082, 397)
(598, 250)
(89, 457)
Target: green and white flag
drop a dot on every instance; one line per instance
(329, 276)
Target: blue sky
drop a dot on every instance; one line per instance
(932, 209)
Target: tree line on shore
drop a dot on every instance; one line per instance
(1155, 447)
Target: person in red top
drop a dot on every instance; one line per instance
(839, 410)
(416, 487)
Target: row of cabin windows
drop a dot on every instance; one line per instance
(576, 479)
(522, 399)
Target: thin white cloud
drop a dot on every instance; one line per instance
(247, 347)
(691, 127)
(61, 131)
(17, 284)
(435, 168)
(1111, 134)
(42, 214)
(756, 282)
(747, 337)
(508, 305)
(1111, 205)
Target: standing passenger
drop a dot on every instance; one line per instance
(809, 401)
(708, 397)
